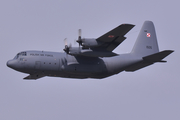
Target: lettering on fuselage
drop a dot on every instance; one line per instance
(47, 55)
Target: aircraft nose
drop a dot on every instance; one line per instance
(10, 63)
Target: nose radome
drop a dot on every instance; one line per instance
(10, 63)
(14, 65)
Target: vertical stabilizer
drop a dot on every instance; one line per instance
(146, 43)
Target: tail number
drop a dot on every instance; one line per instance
(149, 47)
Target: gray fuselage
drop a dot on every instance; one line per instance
(63, 65)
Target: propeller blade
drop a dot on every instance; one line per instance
(79, 33)
(66, 48)
(65, 41)
(70, 45)
(79, 37)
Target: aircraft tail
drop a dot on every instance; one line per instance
(149, 60)
(146, 43)
(146, 47)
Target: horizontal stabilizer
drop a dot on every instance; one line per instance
(157, 57)
(149, 60)
(137, 66)
(33, 77)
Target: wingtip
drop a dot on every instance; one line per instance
(169, 51)
(128, 24)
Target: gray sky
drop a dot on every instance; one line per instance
(151, 93)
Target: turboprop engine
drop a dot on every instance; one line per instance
(87, 42)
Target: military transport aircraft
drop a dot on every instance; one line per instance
(94, 58)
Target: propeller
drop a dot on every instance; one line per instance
(66, 49)
(79, 38)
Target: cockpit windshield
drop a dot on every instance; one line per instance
(20, 54)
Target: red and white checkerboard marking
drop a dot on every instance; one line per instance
(148, 35)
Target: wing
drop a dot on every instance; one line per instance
(113, 38)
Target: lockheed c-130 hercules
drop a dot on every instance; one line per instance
(94, 57)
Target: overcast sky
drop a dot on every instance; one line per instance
(152, 93)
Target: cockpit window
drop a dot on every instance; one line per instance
(17, 56)
(20, 54)
(23, 53)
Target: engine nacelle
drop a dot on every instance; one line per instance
(90, 42)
